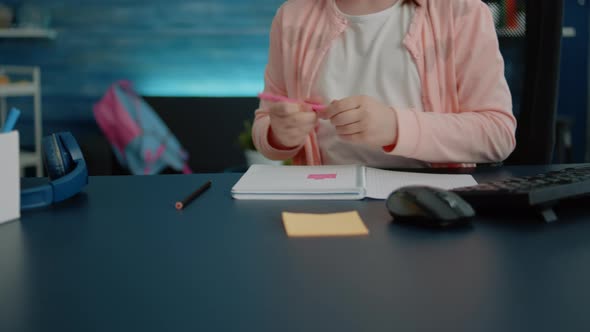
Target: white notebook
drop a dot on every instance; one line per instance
(275, 182)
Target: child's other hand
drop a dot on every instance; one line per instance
(290, 124)
(362, 119)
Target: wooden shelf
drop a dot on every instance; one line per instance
(28, 33)
(17, 89)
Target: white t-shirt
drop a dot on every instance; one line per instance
(369, 58)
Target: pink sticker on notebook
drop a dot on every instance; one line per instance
(321, 176)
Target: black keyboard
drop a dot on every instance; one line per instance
(540, 192)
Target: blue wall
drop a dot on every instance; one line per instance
(192, 48)
(166, 47)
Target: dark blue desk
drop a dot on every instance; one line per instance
(121, 258)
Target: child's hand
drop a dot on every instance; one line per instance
(363, 119)
(290, 124)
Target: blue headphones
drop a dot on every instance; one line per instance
(66, 168)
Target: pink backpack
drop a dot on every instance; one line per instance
(140, 139)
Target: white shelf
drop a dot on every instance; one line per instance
(28, 159)
(28, 33)
(17, 89)
(567, 32)
(511, 32)
(29, 84)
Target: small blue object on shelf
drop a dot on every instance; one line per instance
(11, 120)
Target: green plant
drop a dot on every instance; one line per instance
(245, 137)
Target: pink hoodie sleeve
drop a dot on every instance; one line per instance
(274, 83)
(482, 128)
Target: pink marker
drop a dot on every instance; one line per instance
(271, 97)
(321, 176)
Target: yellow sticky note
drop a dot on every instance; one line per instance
(332, 224)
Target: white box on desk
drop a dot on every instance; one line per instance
(9, 177)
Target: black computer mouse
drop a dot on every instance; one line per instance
(428, 206)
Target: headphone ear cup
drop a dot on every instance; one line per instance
(56, 159)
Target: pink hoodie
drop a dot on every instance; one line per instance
(467, 114)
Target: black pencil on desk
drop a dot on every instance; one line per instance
(181, 205)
